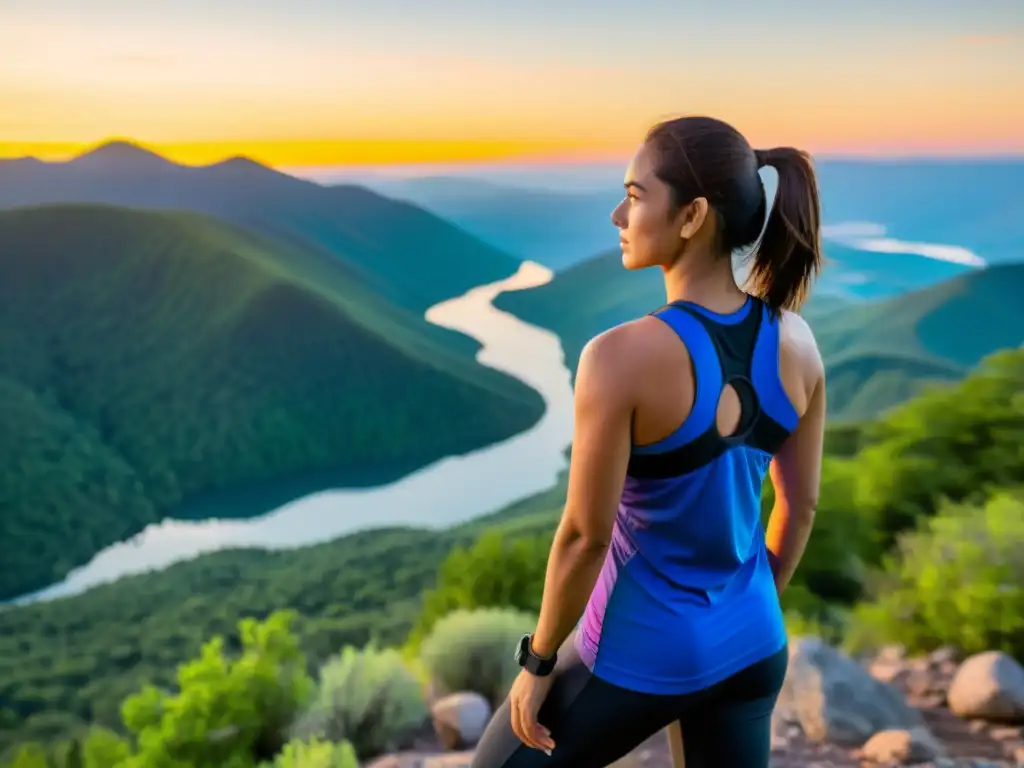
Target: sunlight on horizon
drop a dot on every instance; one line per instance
(336, 86)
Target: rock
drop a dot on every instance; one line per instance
(989, 686)
(943, 655)
(889, 664)
(835, 699)
(892, 652)
(921, 682)
(460, 719)
(902, 747)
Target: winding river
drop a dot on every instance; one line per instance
(486, 479)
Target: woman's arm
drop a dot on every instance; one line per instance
(600, 454)
(796, 476)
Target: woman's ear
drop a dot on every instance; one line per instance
(693, 216)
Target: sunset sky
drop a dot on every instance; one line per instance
(322, 82)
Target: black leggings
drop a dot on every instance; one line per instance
(595, 723)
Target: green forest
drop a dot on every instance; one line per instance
(877, 354)
(150, 361)
(917, 540)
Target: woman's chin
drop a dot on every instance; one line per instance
(629, 262)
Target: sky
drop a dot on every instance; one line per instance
(304, 83)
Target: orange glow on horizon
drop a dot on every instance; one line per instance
(313, 154)
(306, 154)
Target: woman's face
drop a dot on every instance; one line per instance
(651, 234)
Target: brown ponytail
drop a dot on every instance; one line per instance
(788, 256)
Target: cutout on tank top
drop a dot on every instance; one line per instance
(737, 409)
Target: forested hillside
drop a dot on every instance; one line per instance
(409, 256)
(149, 359)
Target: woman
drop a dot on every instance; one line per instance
(660, 556)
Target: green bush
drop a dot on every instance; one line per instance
(473, 651)
(315, 754)
(228, 712)
(953, 442)
(101, 748)
(494, 573)
(958, 579)
(367, 697)
(31, 755)
(104, 748)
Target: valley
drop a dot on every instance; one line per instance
(151, 360)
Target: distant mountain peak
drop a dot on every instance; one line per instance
(240, 164)
(123, 153)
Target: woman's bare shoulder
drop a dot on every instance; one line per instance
(631, 351)
(800, 365)
(798, 341)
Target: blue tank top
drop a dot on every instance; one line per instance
(686, 597)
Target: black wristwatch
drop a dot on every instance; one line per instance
(530, 661)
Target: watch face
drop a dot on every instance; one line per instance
(521, 650)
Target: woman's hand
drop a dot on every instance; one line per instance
(528, 693)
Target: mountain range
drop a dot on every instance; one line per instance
(903, 206)
(877, 353)
(408, 255)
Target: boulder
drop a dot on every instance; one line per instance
(989, 686)
(835, 699)
(460, 719)
(903, 747)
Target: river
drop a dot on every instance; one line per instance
(486, 479)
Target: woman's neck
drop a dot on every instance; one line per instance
(706, 280)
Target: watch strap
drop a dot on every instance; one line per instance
(532, 663)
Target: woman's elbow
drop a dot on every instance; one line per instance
(585, 539)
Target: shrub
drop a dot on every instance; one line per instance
(957, 579)
(102, 748)
(31, 755)
(315, 754)
(473, 651)
(494, 573)
(228, 712)
(367, 697)
(952, 442)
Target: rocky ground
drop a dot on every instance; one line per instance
(835, 712)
